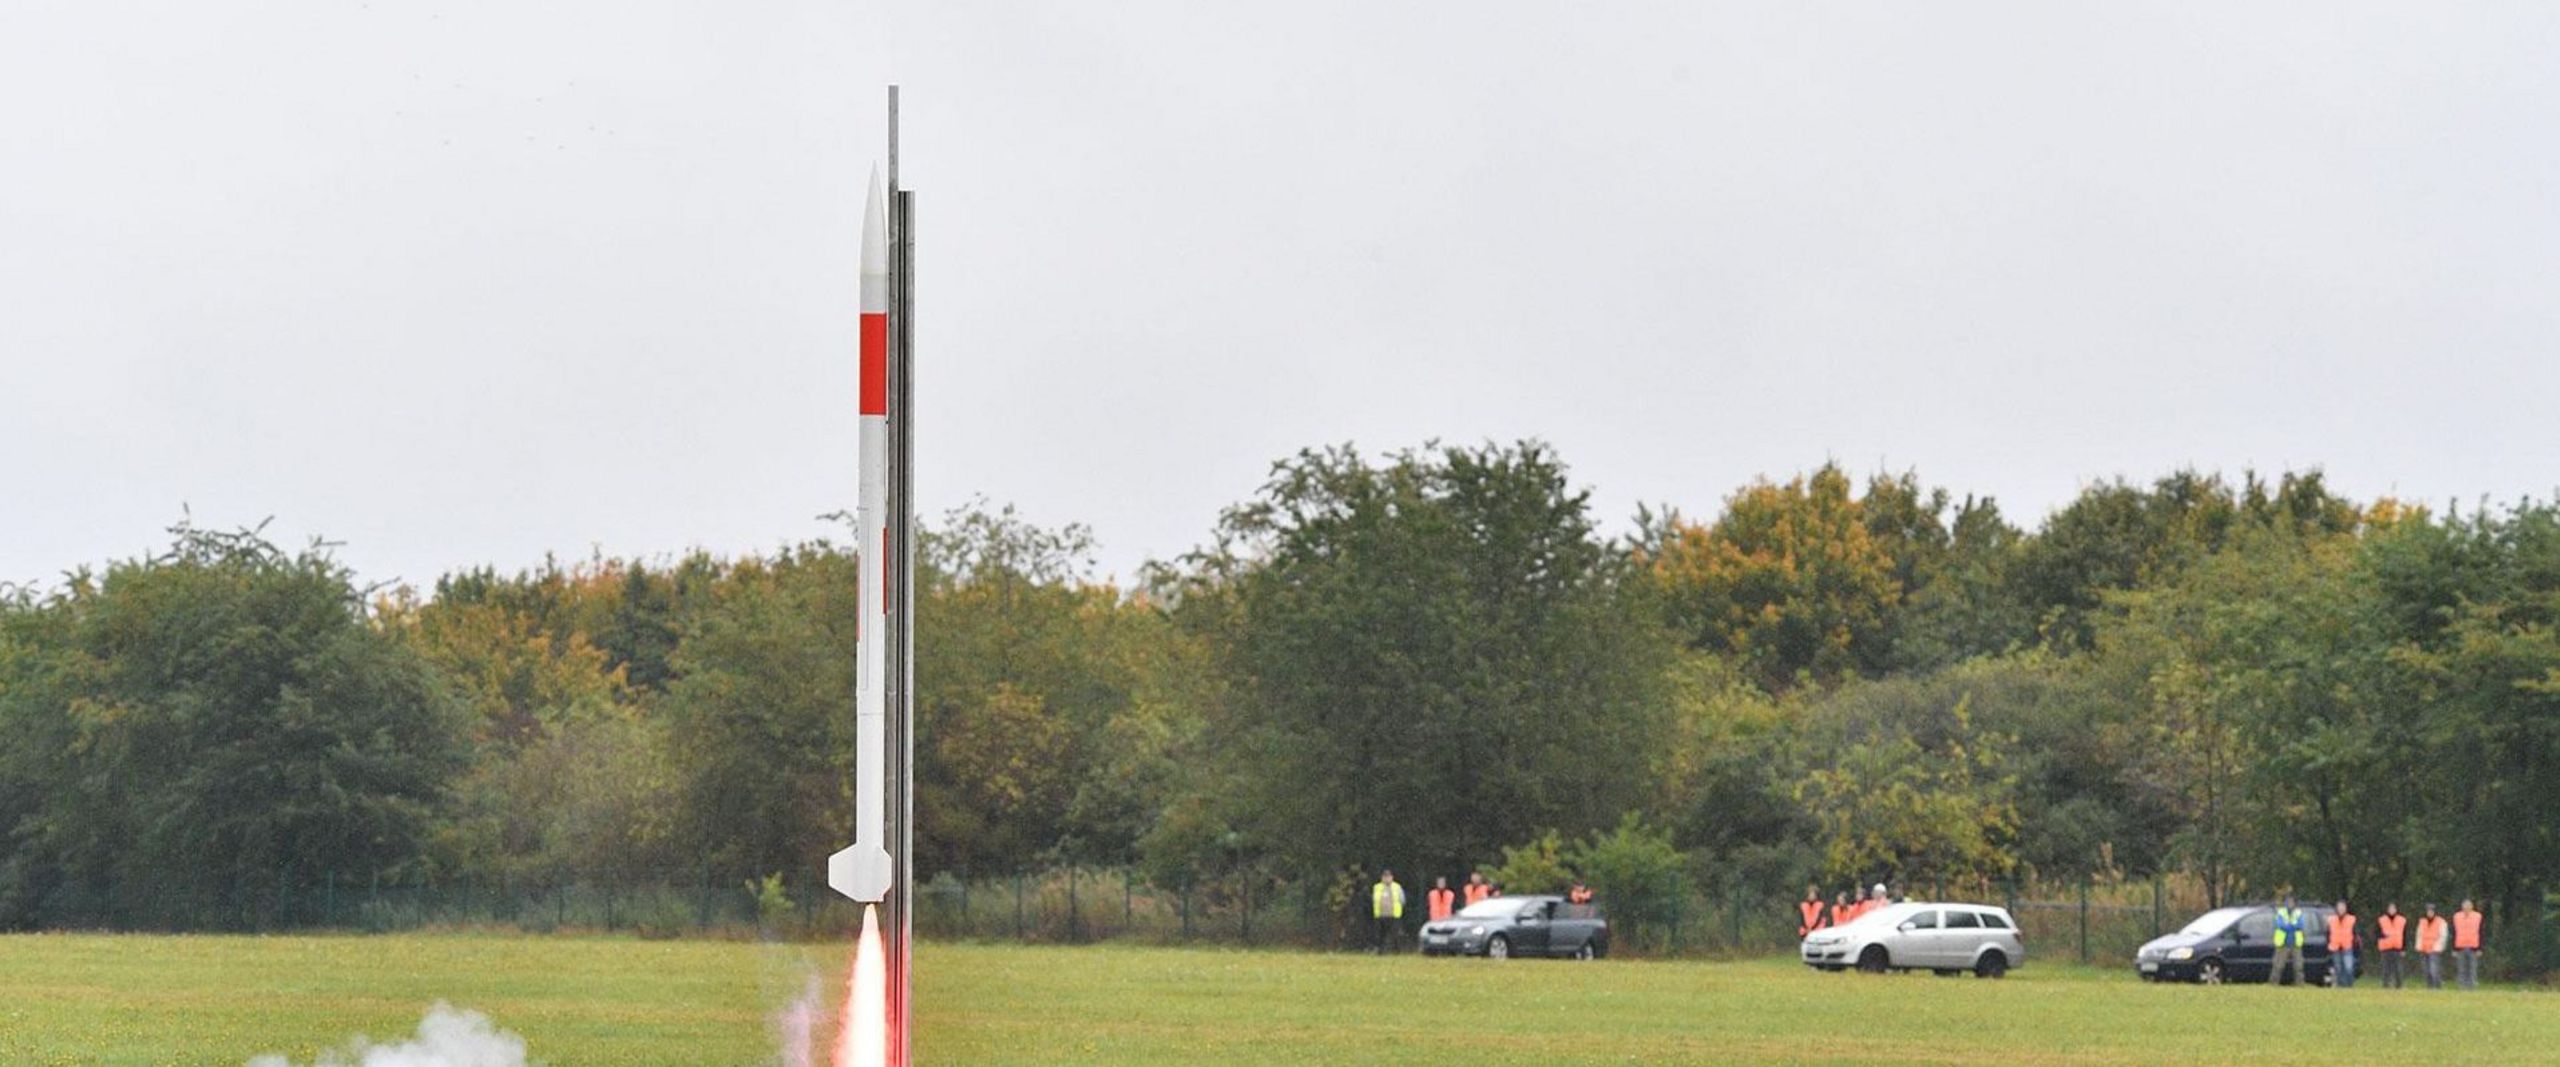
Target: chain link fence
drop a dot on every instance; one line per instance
(2093, 921)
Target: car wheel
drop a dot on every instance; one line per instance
(1993, 965)
(1874, 960)
(1499, 948)
(2210, 972)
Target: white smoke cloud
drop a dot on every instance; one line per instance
(447, 1037)
(795, 1028)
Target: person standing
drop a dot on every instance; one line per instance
(2342, 947)
(1875, 899)
(2432, 935)
(1809, 912)
(1478, 890)
(1579, 894)
(1386, 909)
(2288, 941)
(1443, 900)
(1841, 910)
(2466, 944)
(2390, 928)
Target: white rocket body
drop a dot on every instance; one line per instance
(863, 871)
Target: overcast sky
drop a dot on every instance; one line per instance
(469, 282)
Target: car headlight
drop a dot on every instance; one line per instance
(1474, 930)
(2182, 952)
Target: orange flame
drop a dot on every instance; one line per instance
(864, 1039)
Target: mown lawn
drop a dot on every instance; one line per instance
(579, 1001)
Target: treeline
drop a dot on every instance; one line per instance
(1430, 659)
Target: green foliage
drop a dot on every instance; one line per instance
(760, 709)
(1535, 866)
(223, 710)
(1434, 655)
(1412, 660)
(1633, 869)
(773, 902)
(1915, 799)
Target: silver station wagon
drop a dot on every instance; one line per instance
(1913, 936)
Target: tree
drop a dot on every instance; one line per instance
(224, 710)
(1800, 581)
(760, 714)
(1433, 655)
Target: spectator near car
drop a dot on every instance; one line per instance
(2233, 944)
(2466, 944)
(2291, 932)
(2390, 940)
(2342, 946)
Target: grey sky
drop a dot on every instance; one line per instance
(469, 282)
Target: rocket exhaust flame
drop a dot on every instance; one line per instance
(864, 1041)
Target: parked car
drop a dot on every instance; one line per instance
(1507, 926)
(2234, 944)
(1945, 938)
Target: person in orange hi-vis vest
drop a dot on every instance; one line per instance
(1478, 889)
(2466, 944)
(1841, 910)
(2342, 947)
(1443, 901)
(2389, 928)
(1809, 912)
(2433, 932)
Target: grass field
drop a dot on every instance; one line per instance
(581, 1001)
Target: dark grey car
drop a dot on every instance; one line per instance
(1508, 926)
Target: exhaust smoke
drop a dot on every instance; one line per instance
(447, 1037)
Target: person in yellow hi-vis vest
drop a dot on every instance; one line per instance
(1386, 909)
(2290, 929)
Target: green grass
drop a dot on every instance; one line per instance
(580, 1001)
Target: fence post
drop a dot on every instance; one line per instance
(1128, 900)
(965, 925)
(1733, 903)
(1679, 898)
(2084, 918)
(1186, 908)
(1017, 905)
(333, 899)
(1073, 917)
(1246, 894)
(2155, 905)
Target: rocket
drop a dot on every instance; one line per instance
(863, 871)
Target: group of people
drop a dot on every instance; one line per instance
(2438, 936)
(1386, 902)
(1812, 914)
(2457, 935)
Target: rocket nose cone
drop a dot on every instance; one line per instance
(875, 228)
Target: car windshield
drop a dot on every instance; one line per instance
(1496, 908)
(2213, 921)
